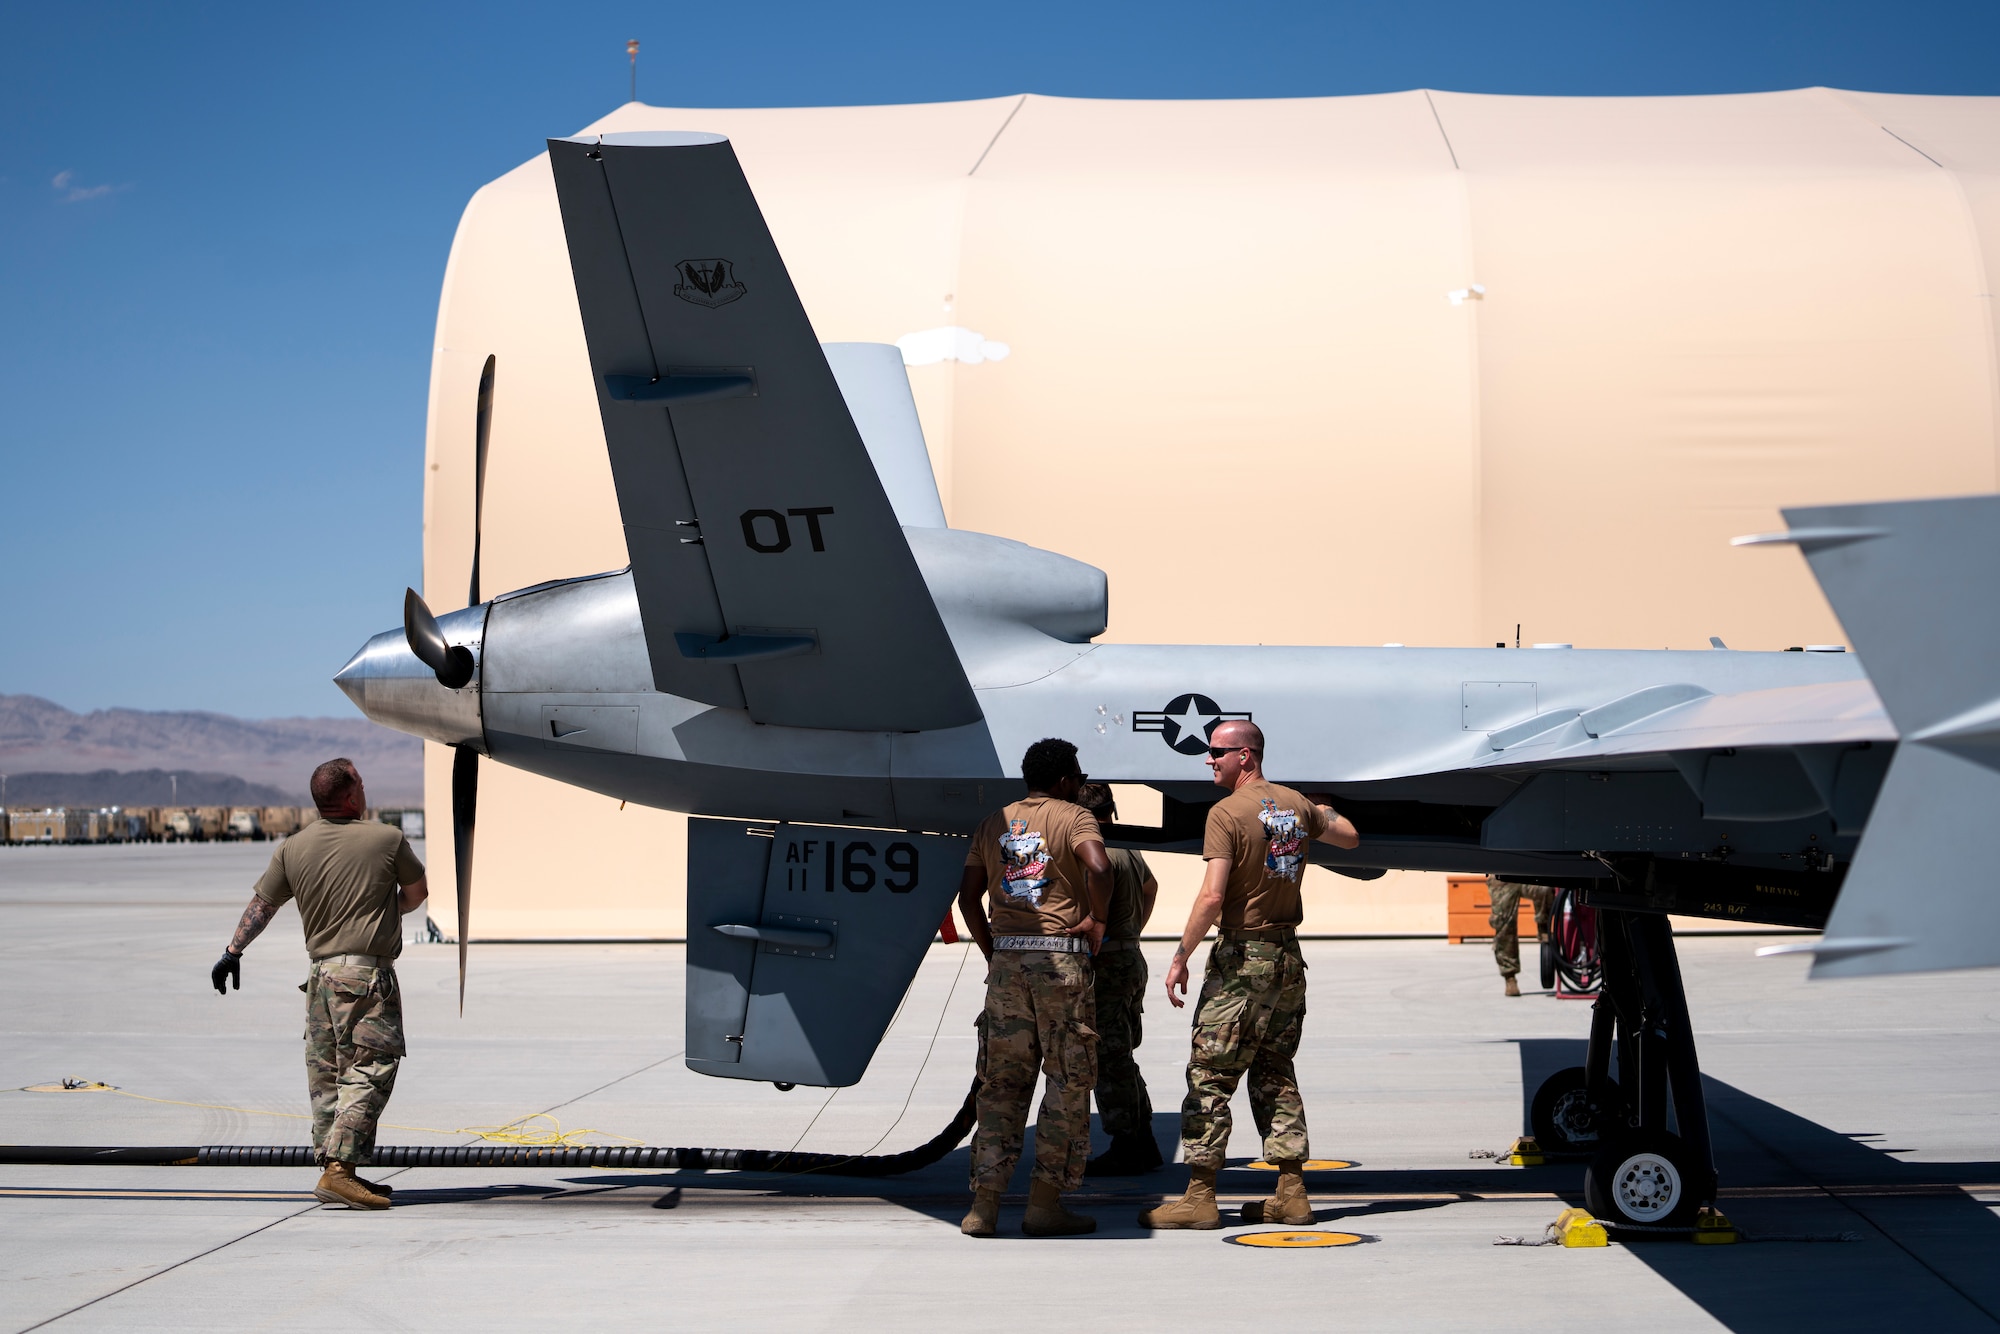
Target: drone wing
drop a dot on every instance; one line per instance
(771, 570)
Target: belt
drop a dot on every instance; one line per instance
(1277, 933)
(1109, 946)
(1054, 944)
(354, 960)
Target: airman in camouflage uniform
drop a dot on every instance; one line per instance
(1506, 919)
(1253, 995)
(1038, 1019)
(1038, 867)
(1124, 1106)
(1248, 1021)
(354, 1038)
(353, 880)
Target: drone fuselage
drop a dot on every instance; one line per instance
(564, 688)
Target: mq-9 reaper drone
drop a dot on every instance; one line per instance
(803, 653)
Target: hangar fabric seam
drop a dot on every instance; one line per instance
(1432, 104)
(997, 133)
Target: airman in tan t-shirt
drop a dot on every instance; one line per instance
(1261, 830)
(1034, 895)
(1034, 878)
(1253, 993)
(353, 880)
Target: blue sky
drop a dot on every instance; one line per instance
(222, 230)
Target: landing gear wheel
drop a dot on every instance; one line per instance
(1568, 1116)
(1643, 1181)
(1545, 953)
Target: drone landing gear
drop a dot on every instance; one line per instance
(1642, 1173)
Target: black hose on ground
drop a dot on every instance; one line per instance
(504, 1155)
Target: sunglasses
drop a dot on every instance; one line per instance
(1217, 752)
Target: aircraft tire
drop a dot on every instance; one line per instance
(1569, 1117)
(1643, 1181)
(1546, 956)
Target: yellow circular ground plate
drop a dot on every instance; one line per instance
(1312, 1165)
(72, 1086)
(1296, 1240)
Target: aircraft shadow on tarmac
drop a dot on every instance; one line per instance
(1926, 1258)
(939, 1191)
(1928, 1250)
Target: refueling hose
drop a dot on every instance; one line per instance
(503, 1155)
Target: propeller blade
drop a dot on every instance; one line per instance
(482, 431)
(453, 663)
(464, 809)
(454, 668)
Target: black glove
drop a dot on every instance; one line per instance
(229, 968)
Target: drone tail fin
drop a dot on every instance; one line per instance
(803, 940)
(1913, 584)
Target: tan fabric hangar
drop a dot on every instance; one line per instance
(1480, 361)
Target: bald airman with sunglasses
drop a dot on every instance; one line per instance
(1253, 995)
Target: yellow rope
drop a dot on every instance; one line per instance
(522, 1131)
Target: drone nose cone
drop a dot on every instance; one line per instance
(390, 686)
(349, 678)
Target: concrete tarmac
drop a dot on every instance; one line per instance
(1859, 1108)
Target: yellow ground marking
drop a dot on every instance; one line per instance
(1292, 1240)
(1312, 1165)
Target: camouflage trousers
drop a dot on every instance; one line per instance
(1251, 1012)
(1506, 920)
(1038, 1015)
(354, 1037)
(1123, 1104)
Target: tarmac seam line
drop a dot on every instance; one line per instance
(64, 1315)
(634, 1074)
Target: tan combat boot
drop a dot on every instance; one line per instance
(984, 1220)
(1046, 1216)
(339, 1185)
(1513, 987)
(1290, 1205)
(1196, 1209)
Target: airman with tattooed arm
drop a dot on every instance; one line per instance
(353, 879)
(1253, 995)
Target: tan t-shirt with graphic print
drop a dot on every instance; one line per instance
(1035, 882)
(1261, 830)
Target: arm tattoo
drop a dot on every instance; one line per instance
(255, 918)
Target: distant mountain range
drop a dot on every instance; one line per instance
(273, 756)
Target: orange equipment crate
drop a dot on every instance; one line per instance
(1468, 911)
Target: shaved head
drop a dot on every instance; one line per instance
(1238, 732)
(333, 784)
(1236, 752)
